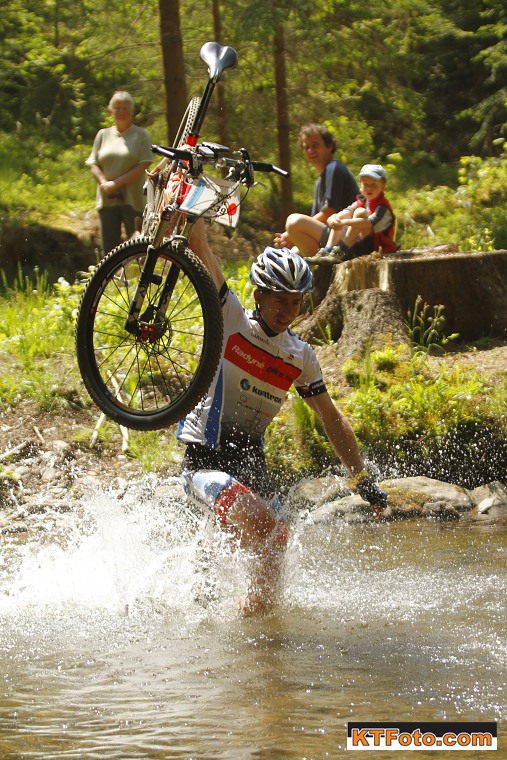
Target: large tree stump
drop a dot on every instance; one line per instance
(356, 322)
(470, 286)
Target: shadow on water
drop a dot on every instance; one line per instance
(108, 651)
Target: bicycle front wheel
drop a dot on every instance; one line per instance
(151, 375)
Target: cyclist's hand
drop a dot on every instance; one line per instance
(370, 492)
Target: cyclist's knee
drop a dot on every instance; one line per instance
(251, 516)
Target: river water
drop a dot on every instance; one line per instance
(107, 649)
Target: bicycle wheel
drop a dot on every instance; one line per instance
(187, 123)
(151, 377)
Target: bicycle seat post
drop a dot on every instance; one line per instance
(218, 58)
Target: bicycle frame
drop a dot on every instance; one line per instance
(218, 58)
(149, 329)
(189, 193)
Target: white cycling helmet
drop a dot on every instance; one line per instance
(280, 269)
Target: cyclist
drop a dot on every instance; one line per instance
(224, 466)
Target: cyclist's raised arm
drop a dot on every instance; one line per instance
(199, 244)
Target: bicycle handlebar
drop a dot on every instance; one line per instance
(260, 166)
(213, 153)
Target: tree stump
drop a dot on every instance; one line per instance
(469, 285)
(356, 322)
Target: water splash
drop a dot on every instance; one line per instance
(107, 625)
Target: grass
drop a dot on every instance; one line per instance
(401, 410)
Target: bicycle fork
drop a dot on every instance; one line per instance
(152, 323)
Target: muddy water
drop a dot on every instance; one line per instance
(107, 649)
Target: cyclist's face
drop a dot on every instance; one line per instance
(315, 149)
(278, 309)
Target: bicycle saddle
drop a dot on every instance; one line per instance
(218, 57)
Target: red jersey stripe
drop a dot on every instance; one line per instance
(259, 363)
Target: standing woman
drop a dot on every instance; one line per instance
(118, 161)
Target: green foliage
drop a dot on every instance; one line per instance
(470, 215)
(40, 178)
(36, 326)
(61, 61)
(416, 403)
(426, 329)
(296, 441)
(156, 450)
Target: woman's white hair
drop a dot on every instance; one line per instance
(121, 96)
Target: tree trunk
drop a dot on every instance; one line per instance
(173, 65)
(282, 121)
(220, 89)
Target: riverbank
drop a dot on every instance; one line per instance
(49, 459)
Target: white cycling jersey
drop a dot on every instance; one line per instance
(252, 379)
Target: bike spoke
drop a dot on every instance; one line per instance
(147, 373)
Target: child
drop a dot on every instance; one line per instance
(363, 227)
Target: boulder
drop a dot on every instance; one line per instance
(323, 502)
(490, 503)
(37, 246)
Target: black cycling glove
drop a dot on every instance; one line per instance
(370, 492)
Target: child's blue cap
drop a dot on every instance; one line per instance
(373, 170)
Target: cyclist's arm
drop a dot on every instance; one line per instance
(199, 245)
(339, 431)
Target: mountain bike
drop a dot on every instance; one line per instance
(149, 327)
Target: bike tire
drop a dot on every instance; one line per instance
(149, 379)
(187, 122)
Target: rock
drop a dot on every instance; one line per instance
(490, 503)
(495, 493)
(349, 509)
(312, 493)
(408, 498)
(441, 510)
(59, 252)
(419, 493)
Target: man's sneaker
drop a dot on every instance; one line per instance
(334, 256)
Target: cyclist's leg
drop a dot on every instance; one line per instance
(259, 525)
(236, 507)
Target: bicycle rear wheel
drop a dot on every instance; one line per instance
(155, 187)
(187, 122)
(151, 377)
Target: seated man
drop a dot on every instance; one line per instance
(365, 226)
(335, 187)
(224, 466)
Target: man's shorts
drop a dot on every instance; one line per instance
(326, 231)
(216, 489)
